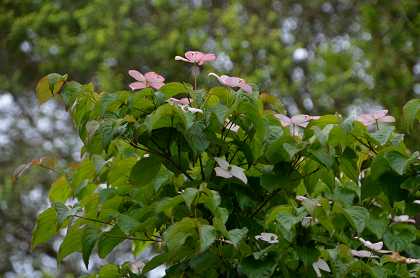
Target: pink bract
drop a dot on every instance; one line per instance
(149, 79)
(233, 82)
(196, 57)
(379, 116)
(299, 120)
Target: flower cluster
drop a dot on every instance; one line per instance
(156, 81)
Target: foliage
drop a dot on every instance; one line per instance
(313, 200)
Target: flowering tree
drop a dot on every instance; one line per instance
(222, 184)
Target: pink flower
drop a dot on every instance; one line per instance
(196, 57)
(150, 79)
(297, 120)
(233, 82)
(375, 117)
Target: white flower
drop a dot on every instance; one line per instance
(403, 219)
(417, 202)
(320, 265)
(374, 246)
(363, 254)
(227, 171)
(231, 126)
(267, 237)
(192, 109)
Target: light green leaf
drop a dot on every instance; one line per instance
(60, 190)
(46, 227)
(174, 88)
(49, 86)
(72, 242)
(167, 115)
(176, 235)
(189, 195)
(109, 271)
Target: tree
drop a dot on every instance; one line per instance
(222, 184)
(354, 53)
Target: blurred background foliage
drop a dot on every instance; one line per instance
(317, 56)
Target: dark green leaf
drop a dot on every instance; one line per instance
(145, 170)
(399, 236)
(207, 236)
(89, 238)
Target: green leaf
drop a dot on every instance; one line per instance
(322, 156)
(145, 170)
(89, 238)
(224, 94)
(46, 227)
(167, 205)
(49, 86)
(176, 235)
(118, 175)
(236, 235)
(397, 161)
(174, 88)
(411, 113)
(399, 236)
(357, 216)
(72, 242)
(70, 92)
(156, 261)
(189, 195)
(257, 268)
(348, 164)
(283, 218)
(110, 102)
(382, 135)
(167, 116)
(60, 190)
(108, 240)
(109, 271)
(127, 224)
(196, 137)
(308, 255)
(377, 224)
(207, 236)
(63, 212)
